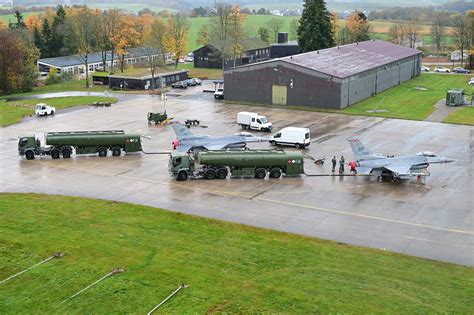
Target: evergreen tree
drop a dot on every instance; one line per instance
(38, 40)
(57, 32)
(46, 32)
(20, 23)
(315, 31)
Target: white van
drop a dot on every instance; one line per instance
(253, 121)
(293, 136)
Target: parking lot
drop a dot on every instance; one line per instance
(432, 220)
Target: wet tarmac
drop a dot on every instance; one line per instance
(432, 220)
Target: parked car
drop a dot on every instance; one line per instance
(425, 69)
(180, 85)
(42, 109)
(442, 69)
(219, 93)
(198, 81)
(471, 81)
(189, 59)
(190, 82)
(461, 70)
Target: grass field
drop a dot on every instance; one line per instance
(11, 17)
(229, 268)
(12, 112)
(202, 73)
(132, 7)
(407, 102)
(463, 116)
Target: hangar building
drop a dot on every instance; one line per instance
(331, 78)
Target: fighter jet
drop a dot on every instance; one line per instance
(189, 141)
(393, 167)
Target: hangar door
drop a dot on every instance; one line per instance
(279, 94)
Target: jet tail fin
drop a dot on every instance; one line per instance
(181, 131)
(358, 148)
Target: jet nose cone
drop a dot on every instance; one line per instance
(448, 160)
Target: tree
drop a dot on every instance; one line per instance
(357, 27)
(396, 33)
(264, 34)
(106, 33)
(46, 40)
(178, 28)
(236, 32)
(155, 43)
(412, 32)
(437, 32)
(262, 11)
(315, 30)
(294, 23)
(2, 25)
(219, 26)
(274, 26)
(37, 39)
(461, 34)
(335, 25)
(203, 37)
(127, 36)
(19, 21)
(18, 57)
(83, 26)
(199, 12)
(32, 21)
(57, 32)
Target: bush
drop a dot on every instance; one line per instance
(53, 77)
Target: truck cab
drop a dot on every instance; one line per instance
(180, 165)
(28, 146)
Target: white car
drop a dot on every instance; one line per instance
(42, 109)
(219, 94)
(425, 69)
(471, 81)
(442, 69)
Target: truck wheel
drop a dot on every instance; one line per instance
(30, 155)
(182, 176)
(298, 146)
(275, 173)
(260, 173)
(210, 174)
(55, 154)
(116, 151)
(222, 173)
(66, 153)
(103, 152)
(273, 143)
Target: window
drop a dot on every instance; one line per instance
(278, 135)
(306, 136)
(253, 119)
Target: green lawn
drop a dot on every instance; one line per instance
(407, 102)
(202, 73)
(229, 268)
(76, 85)
(463, 116)
(12, 112)
(11, 17)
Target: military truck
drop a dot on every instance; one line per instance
(81, 142)
(249, 163)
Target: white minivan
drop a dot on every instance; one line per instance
(293, 136)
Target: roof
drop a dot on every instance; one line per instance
(95, 57)
(252, 43)
(148, 76)
(288, 43)
(347, 60)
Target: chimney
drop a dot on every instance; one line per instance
(282, 38)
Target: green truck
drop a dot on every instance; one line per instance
(251, 163)
(81, 142)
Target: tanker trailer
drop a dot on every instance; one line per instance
(218, 164)
(82, 142)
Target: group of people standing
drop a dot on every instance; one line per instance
(352, 165)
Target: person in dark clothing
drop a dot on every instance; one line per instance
(342, 161)
(334, 163)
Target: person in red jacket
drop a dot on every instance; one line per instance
(175, 144)
(353, 165)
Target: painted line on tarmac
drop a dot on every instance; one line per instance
(235, 194)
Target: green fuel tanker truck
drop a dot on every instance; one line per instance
(80, 142)
(218, 164)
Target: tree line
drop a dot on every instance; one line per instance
(81, 30)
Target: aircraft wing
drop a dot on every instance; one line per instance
(364, 170)
(181, 131)
(185, 146)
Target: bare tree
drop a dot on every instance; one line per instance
(178, 28)
(236, 32)
(219, 28)
(412, 32)
(461, 34)
(275, 25)
(396, 33)
(155, 43)
(83, 25)
(437, 31)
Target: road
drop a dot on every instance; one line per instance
(432, 220)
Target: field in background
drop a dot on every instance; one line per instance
(11, 17)
(229, 268)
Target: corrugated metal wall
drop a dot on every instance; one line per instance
(306, 87)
